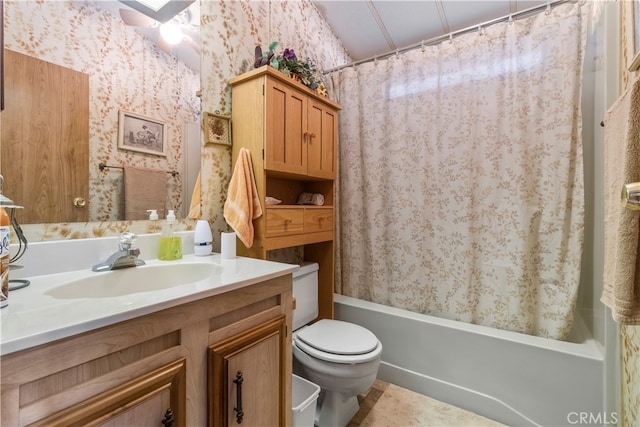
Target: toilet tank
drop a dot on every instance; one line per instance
(305, 291)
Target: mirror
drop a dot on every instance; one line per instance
(131, 72)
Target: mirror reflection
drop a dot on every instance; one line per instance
(83, 79)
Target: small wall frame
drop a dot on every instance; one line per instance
(217, 129)
(142, 134)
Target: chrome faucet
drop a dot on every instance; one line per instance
(127, 255)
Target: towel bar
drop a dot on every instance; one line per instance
(102, 167)
(631, 196)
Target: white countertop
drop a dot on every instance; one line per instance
(33, 318)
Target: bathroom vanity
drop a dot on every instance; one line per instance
(211, 350)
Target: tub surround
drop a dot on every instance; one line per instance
(478, 368)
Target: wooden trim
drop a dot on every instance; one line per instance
(272, 72)
(69, 378)
(111, 403)
(237, 327)
(32, 412)
(280, 242)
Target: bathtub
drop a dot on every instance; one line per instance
(513, 378)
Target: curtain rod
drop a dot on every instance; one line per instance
(435, 40)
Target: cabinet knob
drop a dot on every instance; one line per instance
(79, 202)
(308, 136)
(168, 419)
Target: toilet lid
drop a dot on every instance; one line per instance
(338, 337)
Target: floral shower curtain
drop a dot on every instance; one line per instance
(461, 176)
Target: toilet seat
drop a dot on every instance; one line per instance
(338, 342)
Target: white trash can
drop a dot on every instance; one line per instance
(304, 399)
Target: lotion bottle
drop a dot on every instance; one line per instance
(170, 245)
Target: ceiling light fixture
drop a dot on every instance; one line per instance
(171, 32)
(160, 10)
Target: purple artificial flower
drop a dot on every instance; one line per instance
(289, 54)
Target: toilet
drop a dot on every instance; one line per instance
(340, 357)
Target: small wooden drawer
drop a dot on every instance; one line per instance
(284, 221)
(318, 220)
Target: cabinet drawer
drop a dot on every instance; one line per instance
(318, 220)
(284, 221)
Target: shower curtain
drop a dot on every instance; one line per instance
(461, 176)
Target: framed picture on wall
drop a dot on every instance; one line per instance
(217, 129)
(142, 134)
(635, 63)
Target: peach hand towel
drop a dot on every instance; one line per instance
(621, 291)
(243, 204)
(144, 189)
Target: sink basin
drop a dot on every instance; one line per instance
(132, 280)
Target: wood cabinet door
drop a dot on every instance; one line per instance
(286, 125)
(322, 141)
(246, 384)
(143, 402)
(46, 124)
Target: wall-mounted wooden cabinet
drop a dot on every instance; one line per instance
(292, 134)
(301, 132)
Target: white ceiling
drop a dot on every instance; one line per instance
(182, 51)
(369, 28)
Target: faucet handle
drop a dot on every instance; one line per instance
(126, 240)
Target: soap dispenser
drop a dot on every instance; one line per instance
(170, 244)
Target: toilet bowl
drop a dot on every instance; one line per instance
(340, 357)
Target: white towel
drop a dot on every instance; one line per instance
(621, 290)
(243, 204)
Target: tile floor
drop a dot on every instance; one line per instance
(386, 404)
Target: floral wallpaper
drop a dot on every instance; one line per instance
(126, 72)
(230, 31)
